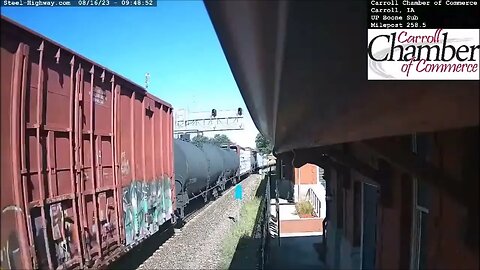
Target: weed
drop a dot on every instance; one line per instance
(304, 208)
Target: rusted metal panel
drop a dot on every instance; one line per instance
(97, 166)
(85, 165)
(14, 240)
(146, 173)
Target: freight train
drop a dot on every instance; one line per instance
(87, 159)
(201, 171)
(207, 170)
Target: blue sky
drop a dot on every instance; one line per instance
(175, 42)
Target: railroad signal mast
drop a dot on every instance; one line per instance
(207, 121)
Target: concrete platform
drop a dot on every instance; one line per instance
(300, 239)
(295, 252)
(287, 212)
(290, 222)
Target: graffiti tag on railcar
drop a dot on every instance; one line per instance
(57, 223)
(125, 165)
(99, 95)
(11, 247)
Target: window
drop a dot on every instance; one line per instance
(420, 146)
(370, 195)
(419, 226)
(357, 213)
(340, 200)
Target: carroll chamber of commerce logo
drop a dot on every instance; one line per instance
(423, 54)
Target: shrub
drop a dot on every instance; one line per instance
(304, 208)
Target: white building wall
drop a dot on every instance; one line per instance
(300, 192)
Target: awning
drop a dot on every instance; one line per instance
(302, 70)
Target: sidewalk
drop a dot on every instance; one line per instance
(299, 244)
(300, 252)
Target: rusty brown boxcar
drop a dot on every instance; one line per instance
(86, 157)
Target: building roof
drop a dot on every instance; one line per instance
(301, 68)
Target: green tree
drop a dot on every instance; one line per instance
(264, 146)
(220, 139)
(199, 140)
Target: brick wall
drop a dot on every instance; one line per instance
(301, 225)
(449, 224)
(307, 174)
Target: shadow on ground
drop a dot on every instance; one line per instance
(134, 258)
(296, 253)
(247, 251)
(246, 254)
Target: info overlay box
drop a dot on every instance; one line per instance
(423, 40)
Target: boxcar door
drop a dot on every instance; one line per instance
(96, 136)
(47, 155)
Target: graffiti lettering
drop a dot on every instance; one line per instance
(61, 231)
(125, 165)
(99, 96)
(146, 206)
(11, 247)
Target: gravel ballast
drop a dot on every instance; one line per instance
(199, 244)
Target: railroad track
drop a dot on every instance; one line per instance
(196, 247)
(188, 217)
(135, 258)
(195, 213)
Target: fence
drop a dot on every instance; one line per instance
(265, 223)
(313, 199)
